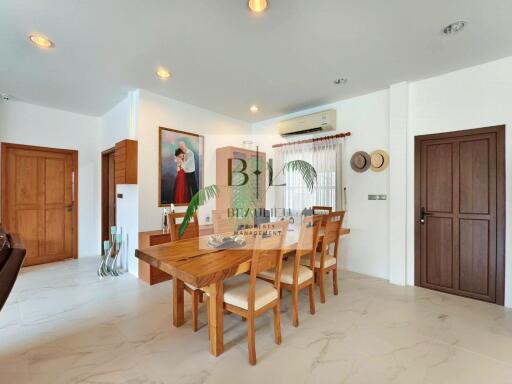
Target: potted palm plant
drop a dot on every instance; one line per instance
(242, 196)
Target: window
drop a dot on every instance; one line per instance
(325, 156)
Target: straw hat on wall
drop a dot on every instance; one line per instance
(379, 160)
(360, 161)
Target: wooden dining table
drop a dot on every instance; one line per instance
(195, 262)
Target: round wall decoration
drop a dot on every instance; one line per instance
(379, 160)
(360, 161)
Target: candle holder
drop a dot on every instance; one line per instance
(102, 269)
(114, 269)
(111, 251)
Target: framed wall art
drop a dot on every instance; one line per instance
(181, 156)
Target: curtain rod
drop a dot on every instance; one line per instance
(338, 136)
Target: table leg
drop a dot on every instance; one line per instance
(178, 303)
(216, 318)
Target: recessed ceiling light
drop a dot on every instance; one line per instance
(163, 73)
(41, 41)
(257, 5)
(453, 28)
(254, 108)
(341, 81)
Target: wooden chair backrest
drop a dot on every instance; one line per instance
(321, 209)
(332, 226)
(307, 244)
(267, 254)
(175, 219)
(222, 222)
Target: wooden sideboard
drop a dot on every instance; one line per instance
(148, 273)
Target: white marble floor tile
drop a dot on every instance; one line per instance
(64, 325)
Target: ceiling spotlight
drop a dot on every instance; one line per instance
(41, 41)
(341, 81)
(257, 5)
(163, 73)
(254, 108)
(453, 28)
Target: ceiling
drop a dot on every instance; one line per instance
(224, 58)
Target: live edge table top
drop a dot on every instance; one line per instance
(195, 262)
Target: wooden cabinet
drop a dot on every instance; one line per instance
(150, 274)
(254, 187)
(147, 273)
(126, 162)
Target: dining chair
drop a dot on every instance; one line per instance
(250, 297)
(321, 209)
(222, 222)
(294, 275)
(326, 262)
(174, 220)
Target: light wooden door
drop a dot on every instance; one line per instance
(460, 179)
(38, 201)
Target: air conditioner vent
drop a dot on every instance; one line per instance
(312, 130)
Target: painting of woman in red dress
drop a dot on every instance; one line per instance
(174, 164)
(181, 189)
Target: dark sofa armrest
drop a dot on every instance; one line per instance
(11, 267)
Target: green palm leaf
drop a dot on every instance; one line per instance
(306, 170)
(199, 199)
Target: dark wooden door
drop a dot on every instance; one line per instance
(460, 210)
(108, 192)
(38, 200)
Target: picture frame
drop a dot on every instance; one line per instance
(176, 184)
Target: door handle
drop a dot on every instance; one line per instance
(423, 214)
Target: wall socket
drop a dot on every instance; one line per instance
(377, 197)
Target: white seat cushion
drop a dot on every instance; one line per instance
(191, 286)
(236, 292)
(329, 260)
(287, 273)
(195, 288)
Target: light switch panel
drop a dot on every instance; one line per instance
(377, 197)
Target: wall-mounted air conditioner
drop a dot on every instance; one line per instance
(316, 122)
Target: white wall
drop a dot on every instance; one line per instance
(127, 219)
(155, 111)
(23, 123)
(120, 122)
(365, 250)
(398, 122)
(475, 97)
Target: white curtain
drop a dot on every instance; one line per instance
(325, 156)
